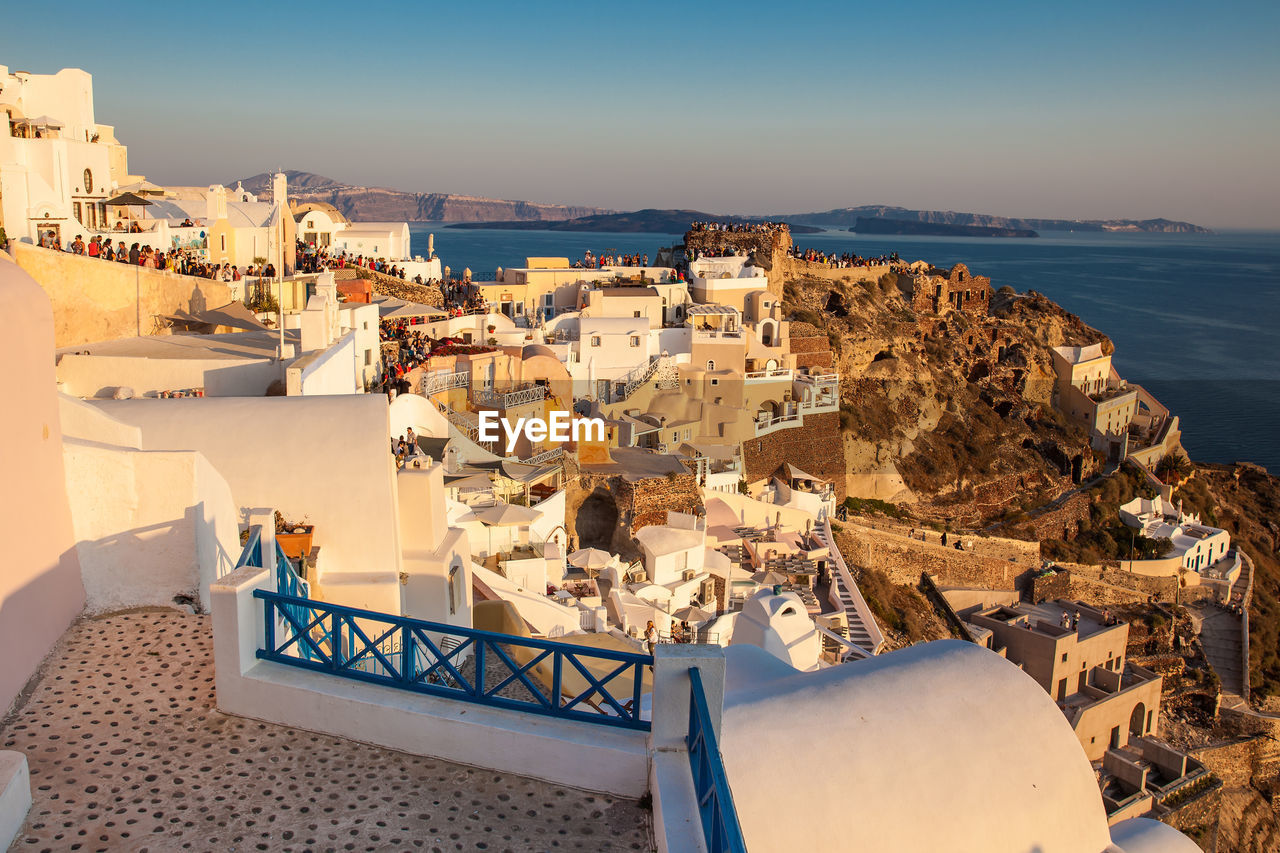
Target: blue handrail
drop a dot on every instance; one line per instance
(519, 673)
(715, 800)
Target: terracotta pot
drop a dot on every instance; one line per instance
(296, 545)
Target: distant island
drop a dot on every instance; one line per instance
(847, 217)
(648, 221)
(877, 225)
(380, 204)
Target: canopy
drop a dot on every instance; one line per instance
(391, 307)
(127, 200)
(770, 578)
(692, 614)
(506, 515)
(233, 314)
(592, 559)
(794, 473)
(41, 121)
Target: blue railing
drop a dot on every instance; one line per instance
(715, 800)
(501, 670)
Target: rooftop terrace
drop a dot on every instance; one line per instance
(127, 751)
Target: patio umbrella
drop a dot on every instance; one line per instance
(128, 200)
(591, 559)
(692, 614)
(770, 578)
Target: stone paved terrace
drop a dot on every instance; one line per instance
(128, 752)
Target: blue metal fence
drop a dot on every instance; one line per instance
(715, 800)
(521, 673)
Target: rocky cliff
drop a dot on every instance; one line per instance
(375, 204)
(948, 411)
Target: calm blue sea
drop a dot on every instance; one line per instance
(1195, 317)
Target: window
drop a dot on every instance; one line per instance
(715, 381)
(635, 313)
(635, 340)
(77, 210)
(595, 340)
(711, 364)
(224, 242)
(88, 181)
(1064, 657)
(311, 224)
(368, 357)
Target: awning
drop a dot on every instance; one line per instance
(126, 200)
(794, 473)
(234, 315)
(391, 307)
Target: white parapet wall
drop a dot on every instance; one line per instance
(564, 752)
(15, 795)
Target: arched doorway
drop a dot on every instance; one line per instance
(596, 521)
(1138, 720)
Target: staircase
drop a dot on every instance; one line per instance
(863, 631)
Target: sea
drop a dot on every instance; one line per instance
(1195, 317)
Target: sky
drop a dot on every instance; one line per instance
(1085, 110)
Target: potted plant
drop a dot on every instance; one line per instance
(294, 538)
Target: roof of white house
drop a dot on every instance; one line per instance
(1079, 355)
(660, 539)
(919, 725)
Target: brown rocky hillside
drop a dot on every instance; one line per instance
(949, 413)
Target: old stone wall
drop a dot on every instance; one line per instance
(958, 290)
(903, 560)
(1234, 763)
(815, 446)
(1103, 585)
(1050, 587)
(810, 347)
(1062, 522)
(1199, 811)
(96, 300)
(648, 500)
(763, 244)
(594, 502)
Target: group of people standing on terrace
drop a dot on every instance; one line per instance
(589, 261)
(413, 351)
(311, 260)
(179, 261)
(845, 259)
(739, 227)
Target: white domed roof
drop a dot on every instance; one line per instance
(940, 746)
(1143, 835)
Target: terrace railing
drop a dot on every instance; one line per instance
(508, 399)
(436, 382)
(519, 673)
(715, 801)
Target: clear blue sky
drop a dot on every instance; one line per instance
(1089, 110)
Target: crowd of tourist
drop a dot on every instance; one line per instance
(311, 260)
(844, 259)
(590, 261)
(740, 227)
(179, 261)
(404, 447)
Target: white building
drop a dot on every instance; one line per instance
(323, 227)
(58, 166)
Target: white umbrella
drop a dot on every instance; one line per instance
(591, 559)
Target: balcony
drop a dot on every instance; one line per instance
(766, 425)
(775, 375)
(503, 400)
